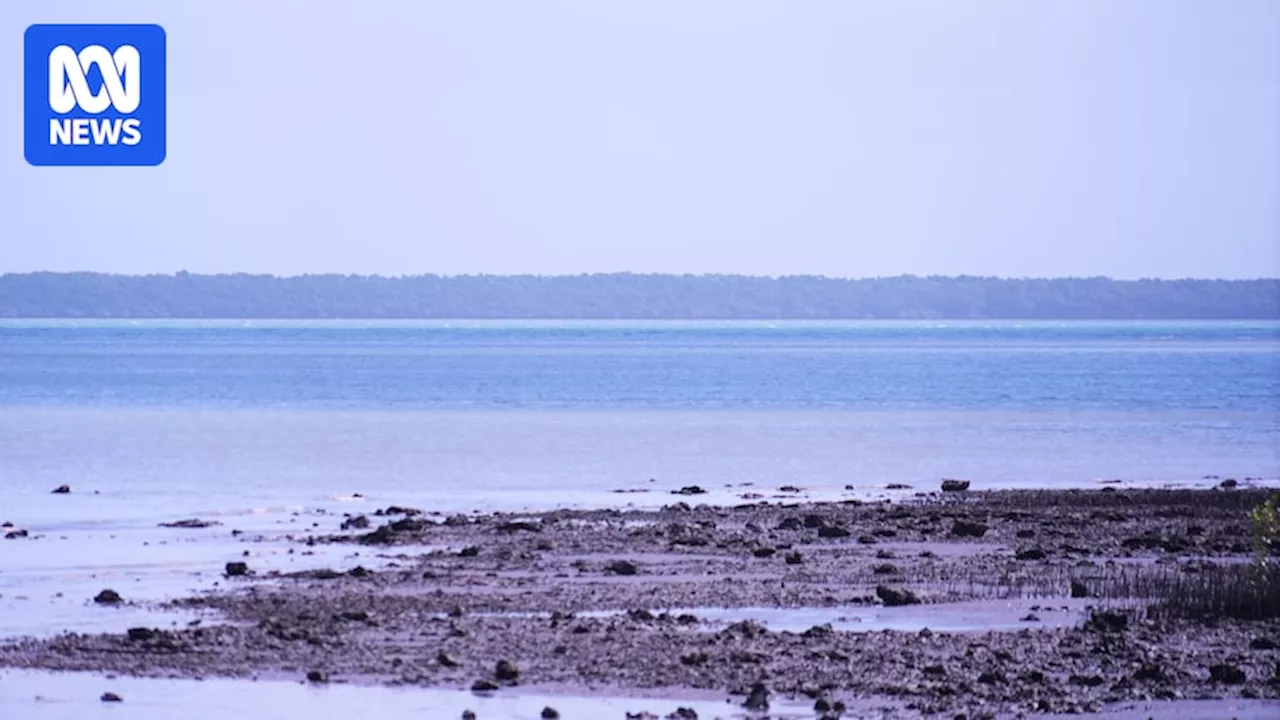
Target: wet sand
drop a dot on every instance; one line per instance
(982, 603)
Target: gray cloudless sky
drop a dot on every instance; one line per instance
(1131, 138)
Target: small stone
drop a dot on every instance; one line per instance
(681, 713)
(1078, 589)
(317, 677)
(758, 699)
(483, 686)
(965, 528)
(506, 671)
(359, 522)
(141, 634)
(1227, 674)
(795, 558)
(1228, 483)
(689, 490)
(1031, 554)
(833, 531)
(763, 552)
(955, 485)
(550, 713)
(1030, 617)
(237, 569)
(621, 567)
(470, 551)
(108, 597)
(894, 597)
(447, 660)
(468, 715)
(111, 697)
(62, 490)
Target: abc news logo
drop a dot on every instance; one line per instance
(95, 95)
(69, 89)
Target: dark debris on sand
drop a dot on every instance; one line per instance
(510, 611)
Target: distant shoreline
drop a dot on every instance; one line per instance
(628, 296)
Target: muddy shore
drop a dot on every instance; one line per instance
(621, 600)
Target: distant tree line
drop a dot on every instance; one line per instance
(627, 295)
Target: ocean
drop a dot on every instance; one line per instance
(276, 427)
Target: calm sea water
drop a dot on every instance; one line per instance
(278, 429)
(208, 416)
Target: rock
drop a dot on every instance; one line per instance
(15, 534)
(61, 490)
(550, 713)
(955, 485)
(359, 522)
(897, 486)
(397, 510)
(1030, 617)
(1228, 483)
(893, 598)
(457, 521)
(935, 670)
(790, 523)
(689, 490)
(1085, 680)
(1031, 554)
(763, 552)
(506, 671)
(621, 567)
(469, 551)
(758, 699)
(789, 489)
(1107, 621)
(1263, 643)
(795, 558)
(1227, 674)
(108, 597)
(885, 569)
(111, 697)
(409, 525)
(1025, 534)
(237, 569)
(814, 521)
(965, 528)
(833, 531)
(192, 523)
(991, 678)
(468, 715)
(1078, 589)
(447, 660)
(681, 713)
(693, 659)
(483, 686)
(819, 631)
(867, 540)
(359, 571)
(141, 634)
(317, 677)
(523, 526)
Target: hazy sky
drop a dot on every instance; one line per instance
(1023, 137)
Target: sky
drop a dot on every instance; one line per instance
(1129, 138)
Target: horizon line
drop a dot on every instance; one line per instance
(810, 276)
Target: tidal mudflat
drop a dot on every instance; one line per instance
(986, 604)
